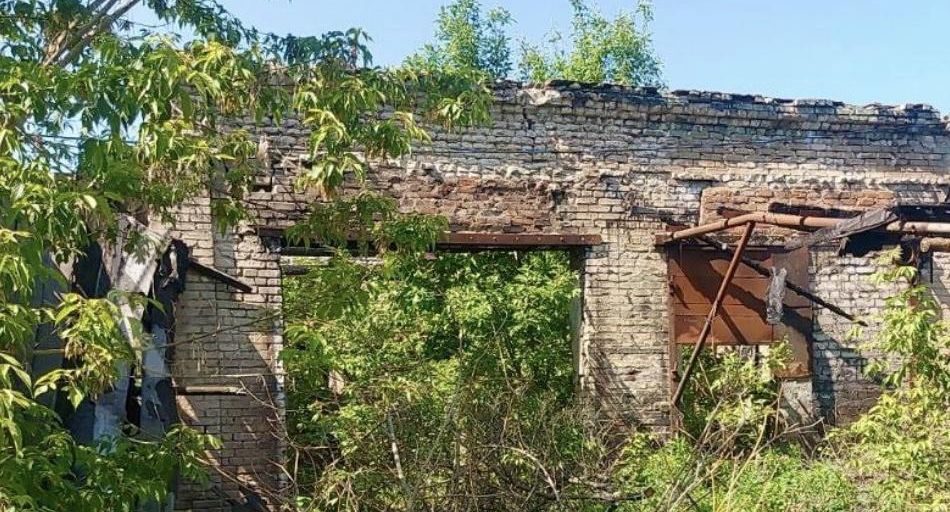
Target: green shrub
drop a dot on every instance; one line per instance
(900, 451)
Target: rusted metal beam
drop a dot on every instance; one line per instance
(516, 240)
(765, 271)
(713, 313)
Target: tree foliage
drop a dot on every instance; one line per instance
(415, 380)
(100, 116)
(599, 50)
(467, 39)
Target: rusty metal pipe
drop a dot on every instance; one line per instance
(935, 245)
(919, 228)
(777, 219)
(713, 313)
(801, 221)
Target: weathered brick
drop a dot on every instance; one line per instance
(604, 160)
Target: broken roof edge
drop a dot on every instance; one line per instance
(534, 93)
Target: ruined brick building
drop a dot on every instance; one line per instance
(604, 170)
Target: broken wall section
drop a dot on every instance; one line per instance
(838, 391)
(623, 163)
(227, 377)
(572, 158)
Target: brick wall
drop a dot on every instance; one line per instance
(582, 159)
(225, 366)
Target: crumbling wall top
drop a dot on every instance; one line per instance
(915, 116)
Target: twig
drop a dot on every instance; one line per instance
(100, 23)
(391, 432)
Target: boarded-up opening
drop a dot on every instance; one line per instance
(695, 275)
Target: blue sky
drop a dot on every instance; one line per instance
(858, 51)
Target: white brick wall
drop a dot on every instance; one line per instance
(588, 160)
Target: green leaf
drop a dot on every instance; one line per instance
(75, 396)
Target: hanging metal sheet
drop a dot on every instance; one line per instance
(695, 274)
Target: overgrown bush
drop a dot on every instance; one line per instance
(445, 382)
(735, 397)
(420, 382)
(734, 451)
(451, 365)
(899, 451)
(676, 475)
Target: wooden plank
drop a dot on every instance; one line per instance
(867, 221)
